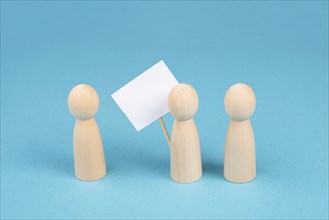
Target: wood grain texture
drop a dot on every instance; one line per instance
(186, 166)
(240, 155)
(89, 157)
(240, 158)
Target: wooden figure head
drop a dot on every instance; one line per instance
(183, 102)
(83, 102)
(240, 102)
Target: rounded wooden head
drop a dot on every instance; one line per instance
(240, 102)
(83, 101)
(183, 102)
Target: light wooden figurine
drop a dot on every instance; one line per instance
(185, 145)
(240, 158)
(89, 158)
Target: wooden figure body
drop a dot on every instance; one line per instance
(185, 145)
(89, 160)
(240, 156)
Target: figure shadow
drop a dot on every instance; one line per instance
(52, 159)
(211, 168)
(140, 162)
(155, 165)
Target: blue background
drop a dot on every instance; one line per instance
(279, 48)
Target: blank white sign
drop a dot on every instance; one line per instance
(144, 99)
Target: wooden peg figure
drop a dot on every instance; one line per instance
(89, 158)
(240, 158)
(185, 145)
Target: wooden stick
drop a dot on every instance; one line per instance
(164, 129)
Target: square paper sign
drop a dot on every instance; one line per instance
(144, 99)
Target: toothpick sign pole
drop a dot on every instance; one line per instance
(165, 132)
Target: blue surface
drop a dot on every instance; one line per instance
(279, 48)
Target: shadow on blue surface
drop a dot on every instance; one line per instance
(52, 160)
(213, 169)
